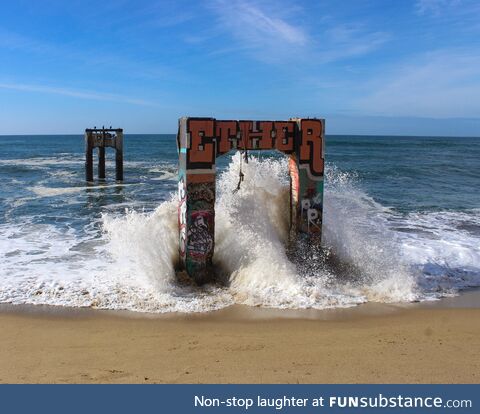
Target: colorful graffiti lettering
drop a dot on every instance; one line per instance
(311, 147)
(202, 140)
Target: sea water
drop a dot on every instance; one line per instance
(401, 224)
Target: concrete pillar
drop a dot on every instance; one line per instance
(119, 156)
(101, 163)
(88, 157)
(201, 140)
(196, 194)
(306, 167)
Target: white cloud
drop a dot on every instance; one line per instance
(440, 84)
(463, 12)
(346, 41)
(270, 32)
(81, 94)
(252, 24)
(256, 28)
(435, 7)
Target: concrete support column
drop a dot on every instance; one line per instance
(306, 168)
(196, 217)
(201, 140)
(101, 163)
(196, 194)
(119, 156)
(88, 157)
(102, 138)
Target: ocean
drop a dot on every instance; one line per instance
(401, 224)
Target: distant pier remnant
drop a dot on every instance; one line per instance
(201, 140)
(102, 138)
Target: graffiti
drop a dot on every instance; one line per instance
(183, 241)
(182, 216)
(201, 143)
(226, 133)
(181, 189)
(206, 138)
(204, 192)
(286, 135)
(311, 147)
(195, 220)
(294, 189)
(200, 220)
(202, 140)
(200, 235)
(311, 215)
(311, 206)
(256, 134)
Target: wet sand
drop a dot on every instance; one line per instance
(428, 343)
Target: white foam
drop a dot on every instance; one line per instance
(131, 264)
(44, 191)
(444, 247)
(167, 176)
(144, 246)
(41, 162)
(356, 230)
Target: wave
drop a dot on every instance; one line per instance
(68, 160)
(40, 162)
(371, 253)
(43, 191)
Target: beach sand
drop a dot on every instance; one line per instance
(410, 344)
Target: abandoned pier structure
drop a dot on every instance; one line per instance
(201, 140)
(101, 139)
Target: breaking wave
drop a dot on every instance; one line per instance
(371, 253)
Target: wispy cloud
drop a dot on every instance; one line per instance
(258, 28)
(435, 7)
(80, 94)
(250, 23)
(464, 14)
(444, 83)
(346, 41)
(270, 31)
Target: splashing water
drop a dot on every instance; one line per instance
(371, 252)
(363, 263)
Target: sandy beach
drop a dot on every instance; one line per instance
(411, 344)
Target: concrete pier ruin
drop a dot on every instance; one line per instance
(101, 139)
(201, 140)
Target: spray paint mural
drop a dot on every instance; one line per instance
(201, 140)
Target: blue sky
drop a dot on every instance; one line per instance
(368, 67)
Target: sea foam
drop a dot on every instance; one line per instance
(371, 253)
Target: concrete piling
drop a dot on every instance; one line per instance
(201, 140)
(102, 138)
(101, 163)
(119, 156)
(88, 158)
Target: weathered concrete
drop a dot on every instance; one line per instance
(102, 138)
(201, 140)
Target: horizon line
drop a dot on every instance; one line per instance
(336, 134)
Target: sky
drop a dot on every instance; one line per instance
(397, 67)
